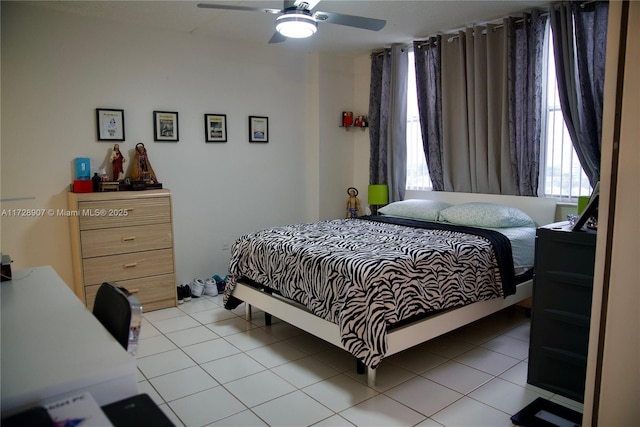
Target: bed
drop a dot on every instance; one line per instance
(378, 285)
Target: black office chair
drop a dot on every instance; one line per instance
(120, 313)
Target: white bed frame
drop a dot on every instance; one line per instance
(541, 210)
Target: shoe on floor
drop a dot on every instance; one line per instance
(186, 293)
(220, 282)
(210, 288)
(180, 293)
(197, 288)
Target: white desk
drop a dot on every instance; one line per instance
(53, 347)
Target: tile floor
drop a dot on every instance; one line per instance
(207, 366)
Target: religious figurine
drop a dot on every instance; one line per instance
(117, 162)
(353, 203)
(142, 170)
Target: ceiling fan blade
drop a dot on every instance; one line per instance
(277, 38)
(232, 7)
(350, 20)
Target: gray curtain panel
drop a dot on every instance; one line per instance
(525, 47)
(388, 120)
(580, 63)
(429, 91)
(476, 155)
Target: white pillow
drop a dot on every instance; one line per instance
(424, 210)
(479, 214)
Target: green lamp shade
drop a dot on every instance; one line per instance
(583, 201)
(378, 194)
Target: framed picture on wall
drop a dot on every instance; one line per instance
(110, 124)
(258, 129)
(215, 127)
(165, 126)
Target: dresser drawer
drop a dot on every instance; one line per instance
(127, 266)
(123, 212)
(152, 292)
(113, 241)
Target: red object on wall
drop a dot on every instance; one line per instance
(347, 118)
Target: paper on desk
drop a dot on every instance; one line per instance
(77, 411)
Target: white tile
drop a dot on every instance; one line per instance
(147, 330)
(183, 383)
(154, 345)
(259, 388)
(251, 339)
(243, 419)
(206, 407)
(146, 388)
(171, 415)
(448, 346)
(381, 411)
(471, 413)
(505, 396)
(294, 409)
(429, 423)
(283, 330)
(520, 332)
(333, 421)
(457, 376)
(417, 359)
(340, 392)
(423, 395)
(175, 324)
(487, 361)
(518, 376)
(192, 336)
(230, 326)
(509, 346)
(232, 367)
(388, 375)
(305, 371)
(163, 363)
(213, 314)
(276, 354)
(165, 313)
(197, 305)
(210, 350)
(339, 359)
(309, 343)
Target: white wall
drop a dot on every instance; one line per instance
(57, 68)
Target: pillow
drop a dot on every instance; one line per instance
(478, 214)
(425, 210)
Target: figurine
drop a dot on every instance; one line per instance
(117, 161)
(142, 170)
(353, 203)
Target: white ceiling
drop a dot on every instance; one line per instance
(406, 20)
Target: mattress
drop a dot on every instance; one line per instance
(368, 274)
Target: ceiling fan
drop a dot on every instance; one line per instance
(296, 19)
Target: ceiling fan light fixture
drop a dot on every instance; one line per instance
(296, 24)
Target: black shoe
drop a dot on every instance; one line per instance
(179, 292)
(186, 293)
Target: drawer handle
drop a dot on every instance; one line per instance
(129, 239)
(130, 265)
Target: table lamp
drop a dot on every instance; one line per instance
(378, 195)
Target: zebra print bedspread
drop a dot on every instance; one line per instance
(366, 275)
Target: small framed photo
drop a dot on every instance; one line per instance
(165, 126)
(258, 129)
(215, 128)
(110, 124)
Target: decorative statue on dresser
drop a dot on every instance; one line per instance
(142, 170)
(117, 162)
(353, 203)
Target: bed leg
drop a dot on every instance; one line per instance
(267, 319)
(371, 377)
(360, 367)
(247, 312)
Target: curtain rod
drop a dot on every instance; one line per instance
(452, 36)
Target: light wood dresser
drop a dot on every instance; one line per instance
(124, 237)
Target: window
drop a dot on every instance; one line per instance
(417, 172)
(561, 175)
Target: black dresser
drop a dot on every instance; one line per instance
(562, 292)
